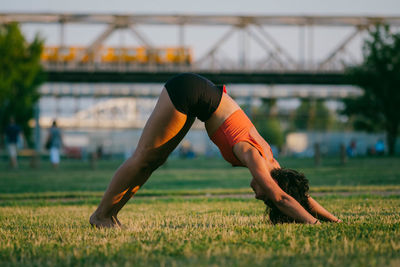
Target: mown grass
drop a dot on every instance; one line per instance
(199, 175)
(204, 231)
(180, 219)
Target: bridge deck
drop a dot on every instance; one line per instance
(219, 77)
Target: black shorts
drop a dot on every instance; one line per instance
(194, 95)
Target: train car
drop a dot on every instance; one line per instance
(169, 55)
(111, 55)
(176, 55)
(108, 55)
(75, 53)
(123, 55)
(50, 54)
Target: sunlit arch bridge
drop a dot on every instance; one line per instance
(128, 105)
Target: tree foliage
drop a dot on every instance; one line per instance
(20, 76)
(270, 129)
(379, 77)
(312, 115)
(267, 123)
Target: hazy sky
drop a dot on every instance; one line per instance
(318, 7)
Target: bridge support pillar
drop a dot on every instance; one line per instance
(36, 154)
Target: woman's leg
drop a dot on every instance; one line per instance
(163, 131)
(55, 157)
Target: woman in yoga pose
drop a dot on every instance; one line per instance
(183, 98)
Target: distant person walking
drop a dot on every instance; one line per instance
(12, 134)
(54, 144)
(380, 147)
(351, 149)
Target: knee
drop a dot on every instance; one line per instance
(154, 161)
(149, 161)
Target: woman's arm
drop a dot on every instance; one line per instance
(256, 164)
(320, 212)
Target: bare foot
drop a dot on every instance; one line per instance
(109, 222)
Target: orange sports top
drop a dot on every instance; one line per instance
(235, 129)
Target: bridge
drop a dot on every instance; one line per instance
(84, 90)
(272, 62)
(126, 106)
(219, 77)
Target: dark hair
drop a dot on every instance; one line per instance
(293, 183)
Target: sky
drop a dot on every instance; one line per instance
(316, 7)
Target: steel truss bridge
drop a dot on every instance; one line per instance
(274, 65)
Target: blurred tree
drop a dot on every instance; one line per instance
(312, 115)
(379, 77)
(270, 129)
(266, 121)
(20, 76)
(301, 115)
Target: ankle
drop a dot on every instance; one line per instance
(101, 214)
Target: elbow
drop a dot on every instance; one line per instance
(280, 200)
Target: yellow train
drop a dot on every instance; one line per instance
(110, 55)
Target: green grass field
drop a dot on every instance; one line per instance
(196, 213)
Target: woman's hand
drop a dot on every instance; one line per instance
(320, 212)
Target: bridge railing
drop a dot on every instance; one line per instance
(131, 66)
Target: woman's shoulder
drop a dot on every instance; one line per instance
(246, 152)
